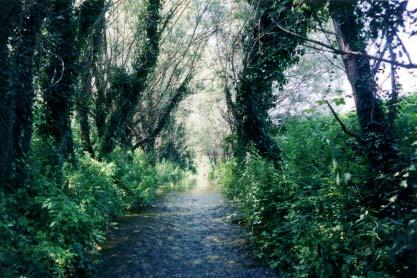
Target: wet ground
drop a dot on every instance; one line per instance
(184, 234)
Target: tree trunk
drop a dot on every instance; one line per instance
(90, 33)
(100, 103)
(380, 148)
(82, 113)
(9, 15)
(252, 120)
(59, 79)
(117, 128)
(22, 83)
(268, 51)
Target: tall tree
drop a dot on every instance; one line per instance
(8, 18)
(90, 36)
(268, 51)
(128, 97)
(379, 145)
(24, 45)
(58, 78)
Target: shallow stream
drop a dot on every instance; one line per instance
(184, 234)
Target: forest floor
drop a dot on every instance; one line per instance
(184, 234)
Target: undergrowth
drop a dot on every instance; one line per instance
(307, 216)
(54, 227)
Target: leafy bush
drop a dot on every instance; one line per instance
(54, 226)
(136, 175)
(307, 217)
(170, 173)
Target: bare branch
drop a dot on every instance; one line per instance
(342, 125)
(347, 52)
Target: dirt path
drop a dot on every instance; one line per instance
(186, 234)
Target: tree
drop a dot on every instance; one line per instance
(380, 147)
(58, 79)
(8, 19)
(24, 44)
(268, 51)
(130, 87)
(91, 25)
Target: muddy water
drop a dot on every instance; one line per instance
(185, 234)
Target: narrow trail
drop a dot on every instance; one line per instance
(185, 234)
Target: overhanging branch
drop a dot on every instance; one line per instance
(348, 52)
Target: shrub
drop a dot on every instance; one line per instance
(54, 226)
(307, 218)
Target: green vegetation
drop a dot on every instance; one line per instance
(56, 227)
(309, 217)
(73, 139)
(323, 193)
(303, 108)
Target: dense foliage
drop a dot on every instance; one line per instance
(330, 195)
(309, 218)
(70, 163)
(91, 95)
(56, 227)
